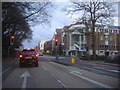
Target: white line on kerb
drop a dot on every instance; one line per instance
(107, 69)
(90, 80)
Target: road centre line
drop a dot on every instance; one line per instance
(63, 85)
(90, 80)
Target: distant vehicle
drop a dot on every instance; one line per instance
(40, 53)
(28, 57)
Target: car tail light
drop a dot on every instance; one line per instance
(28, 49)
(21, 56)
(37, 55)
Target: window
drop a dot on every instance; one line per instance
(106, 38)
(101, 46)
(110, 38)
(82, 38)
(102, 38)
(106, 46)
(75, 39)
(101, 30)
(106, 31)
(110, 31)
(115, 31)
(110, 46)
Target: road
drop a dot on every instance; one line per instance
(54, 75)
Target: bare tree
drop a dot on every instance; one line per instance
(33, 11)
(36, 12)
(17, 18)
(96, 11)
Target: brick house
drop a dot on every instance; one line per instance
(75, 40)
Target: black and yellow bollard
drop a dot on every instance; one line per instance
(73, 59)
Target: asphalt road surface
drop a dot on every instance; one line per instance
(54, 75)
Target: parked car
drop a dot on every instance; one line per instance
(28, 57)
(40, 53)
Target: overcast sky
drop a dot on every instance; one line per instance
(59, 20)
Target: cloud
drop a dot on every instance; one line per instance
(115, 21)
(59, 20)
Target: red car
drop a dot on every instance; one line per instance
(28, 57)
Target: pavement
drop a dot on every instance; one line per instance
(99, 67)
(67, 61)
(8, 65)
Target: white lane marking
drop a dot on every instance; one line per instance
(107, 69)
(77, 72)
(25, 75)
(63, 85)
(114, 71)
(44, 67)
(90, 80)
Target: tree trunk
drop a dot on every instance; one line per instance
(94, 41)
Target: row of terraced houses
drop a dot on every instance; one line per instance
(76, 39)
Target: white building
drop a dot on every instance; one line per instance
(74, 40)
(41, 45)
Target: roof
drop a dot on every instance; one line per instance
(80, 26)
(114, 27)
